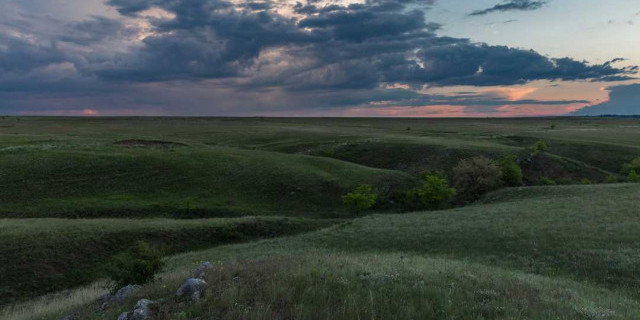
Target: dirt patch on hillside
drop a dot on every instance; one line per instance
(139, 143)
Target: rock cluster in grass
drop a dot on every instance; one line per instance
(142, 311)
(192, 288)
(119, 296)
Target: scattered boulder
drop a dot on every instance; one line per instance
(142, 311)
(119, 296)
(192, 288)
(124, 316)
(125, 292)
(201, 271)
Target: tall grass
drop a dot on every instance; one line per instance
(44, 255)
(54, 305)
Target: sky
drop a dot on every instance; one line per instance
(387, 58)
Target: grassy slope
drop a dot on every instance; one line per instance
(110, 181)
(602, 143)
(44, 255)
(533, 253)
(70, 167)
(609, 157)
(221, 167)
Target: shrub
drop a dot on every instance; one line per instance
(437, 173)
(632, 165)
(632, 170)
(138, 265)
(362, 198)
(546, 181)
(476, 176)
(585, 181)
(433, 194)
(538, 147)
(511, 171)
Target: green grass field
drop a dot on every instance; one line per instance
(517, 254)
(190, 183)
(76, 191)
(45, 255)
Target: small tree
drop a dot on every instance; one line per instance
(511, 171)
(437, 173)
(539, 146)
(362, 198)
(138, 265)
(475, 177)
(633, 176)
(632, 170)
(433, 194)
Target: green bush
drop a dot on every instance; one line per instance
(511, 171)
(476, 176)
(547, 182)
(633, 165)
(362, 198)
(585, 181)
(438, 173)
(539, 146)
(138, 265)
(632, 170)
(433, 194)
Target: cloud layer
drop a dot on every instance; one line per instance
(512, 5)
(623, 100)
(257, 56)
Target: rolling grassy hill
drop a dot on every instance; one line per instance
(518, 254)
(112, 181)
(211, 167)
(565, 252)
(40, 256)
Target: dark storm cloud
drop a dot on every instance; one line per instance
(94, 30)
(333, 55)
(207, 39)
(132, 7)
(22, 55)
(363, 23)
(623, 100)
(512, 5)
(345, 47)
(256, 5)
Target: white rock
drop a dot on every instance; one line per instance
(124, 316)
(192, 288)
